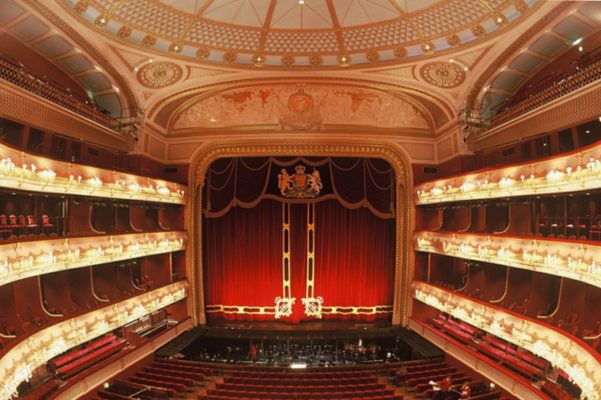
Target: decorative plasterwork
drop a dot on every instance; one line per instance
(310, 145)
(288, 33)
(334, 105)
(157, 75)
(576, 171)
(569, 259)
(580, 362)
(19, 261)
(442, 74)
(18, 364)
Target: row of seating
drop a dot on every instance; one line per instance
(318, 394)
(302, 382)
(15, 225)
(524, 363)
(76, 366)
(555, 391)
(76, 353)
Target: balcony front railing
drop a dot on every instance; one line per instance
(19, 363)
(23, 260)
(559, 348)
(19, 76)
(568, 259)
(580, 78)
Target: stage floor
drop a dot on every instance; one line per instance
(310, 329)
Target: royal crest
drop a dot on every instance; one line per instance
(299, 185)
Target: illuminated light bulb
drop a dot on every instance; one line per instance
(301, 2)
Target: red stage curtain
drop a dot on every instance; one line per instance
(243, 258)
(354, 258)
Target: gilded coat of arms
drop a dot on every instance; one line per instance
(299, 185)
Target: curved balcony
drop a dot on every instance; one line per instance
(19, 363)
(22, 171)
(570, 259)
(22, 260)
(576, 171)
(559, 348)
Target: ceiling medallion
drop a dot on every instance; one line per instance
(521, 6)
(81, 6)
(124, 32)
(442, 74)
(229, 57)
(478, 31)
(287, 60)
(159, 74)
(202, 53)
(315, 60)
(400, 52)
(149, 41)
(453, 40)
(373, 56)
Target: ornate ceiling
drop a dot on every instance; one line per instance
(300, 33)
(189, 71)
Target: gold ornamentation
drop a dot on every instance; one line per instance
(101, 20)
(373, 56)
(81, 6)
(313, 306)
(300, 185)
(283, 306)
(500, 19)
(175, 48)
(521, 6)
(258, 60)
(428, 48)
(400, 52)
(229, 57)
(442, 74)
(159, 74)
(149, 41)
(478, 31)
(202, 53)
(453, 40)
(124, 32)
(315, 60)
(344, 60)
(301, 113)
(287, 60)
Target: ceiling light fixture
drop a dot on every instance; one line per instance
(301, 2)
(580, 48)
(577, 42)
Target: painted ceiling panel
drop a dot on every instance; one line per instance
(30, 28)
(53, 46)
(572, 28)
(95, 82)
(8, 11)
(414, 5)
(356, 12)
(526, 63)
(240, 12)
(289, 14)
(548, 45)
(592, 9)
(75, 63)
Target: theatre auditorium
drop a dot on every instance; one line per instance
(300, 199)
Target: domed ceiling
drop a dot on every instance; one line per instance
(300, 33)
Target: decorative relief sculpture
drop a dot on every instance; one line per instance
(301, 108)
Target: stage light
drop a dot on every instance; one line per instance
(298, 365)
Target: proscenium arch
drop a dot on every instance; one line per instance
(310, 145)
